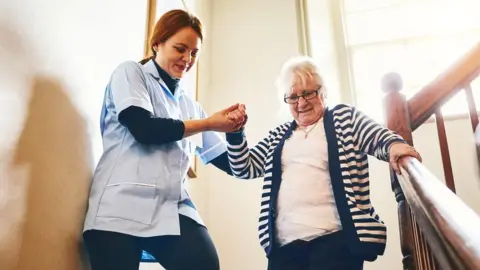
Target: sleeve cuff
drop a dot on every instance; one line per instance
(137, 102)
(213, 152)
(397, 139)
(235, 137)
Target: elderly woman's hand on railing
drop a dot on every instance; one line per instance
(399, 150)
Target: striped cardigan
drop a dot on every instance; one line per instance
(350, 136)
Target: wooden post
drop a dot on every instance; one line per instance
(397, 119)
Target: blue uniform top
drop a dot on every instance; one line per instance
(139, 189)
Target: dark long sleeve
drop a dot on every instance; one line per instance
(221, 162)
(147, 129)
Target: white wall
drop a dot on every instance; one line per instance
(59, 54)
(55, 60)
(251, 39)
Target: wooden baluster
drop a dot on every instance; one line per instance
(477, 144)
(474, 120)
(407, 240)
(426, 254)
(423, 256)
(433, 262)
(416, 242)
(472, 110)
(397, 119)
(446, 161)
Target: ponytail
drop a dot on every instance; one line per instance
(145, 60)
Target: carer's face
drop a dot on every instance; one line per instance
(179, 53)
(308, 110)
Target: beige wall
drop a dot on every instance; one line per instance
(55, 60)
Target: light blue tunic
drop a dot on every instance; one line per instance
(140, 189)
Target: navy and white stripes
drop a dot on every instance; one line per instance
(354, 135)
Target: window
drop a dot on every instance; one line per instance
(416, 38)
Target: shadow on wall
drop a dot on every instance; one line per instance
(50, 164)
(53, 146)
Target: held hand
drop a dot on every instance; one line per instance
(239, 116)
(399, 150)
(221, 122)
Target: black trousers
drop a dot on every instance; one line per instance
(329, 252)
(193, 249)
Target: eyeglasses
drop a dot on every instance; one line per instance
(306, 95)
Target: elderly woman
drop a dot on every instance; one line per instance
(315, 207)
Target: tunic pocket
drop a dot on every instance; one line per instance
(131, 201)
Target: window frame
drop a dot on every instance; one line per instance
(344, 56)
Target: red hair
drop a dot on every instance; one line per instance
(169, 24)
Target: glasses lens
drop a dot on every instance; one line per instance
(291, 100)
(310, 94)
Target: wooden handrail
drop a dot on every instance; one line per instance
(437, 230)
(431, 97)
(451, 228)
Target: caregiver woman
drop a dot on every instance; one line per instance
(138, 199)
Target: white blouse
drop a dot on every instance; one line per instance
(306, 205)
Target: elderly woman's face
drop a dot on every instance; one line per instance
(306, 101)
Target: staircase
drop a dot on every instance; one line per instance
(437, 229)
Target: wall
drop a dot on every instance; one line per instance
(56, 57)
(55, 60)
(251, 40)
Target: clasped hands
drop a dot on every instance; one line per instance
(230, 119)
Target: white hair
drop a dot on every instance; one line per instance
(297, 68)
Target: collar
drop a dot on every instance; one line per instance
(294, 124)
(151, 69)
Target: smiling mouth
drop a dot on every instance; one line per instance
(182, 68)
(304, 111)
